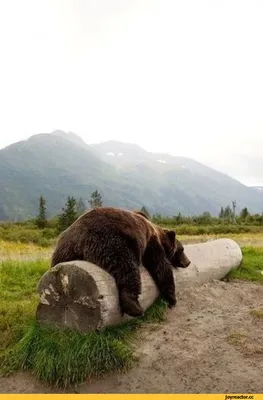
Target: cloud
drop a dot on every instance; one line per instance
(183, 77)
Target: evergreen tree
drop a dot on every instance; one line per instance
(222, 213)
(41, 220)
(205, 218)
(178, 218)
(145, 211)
(228, 213)
(68, 215)
(234, 204)
(81, 208)
(244, 213)
(95, 200)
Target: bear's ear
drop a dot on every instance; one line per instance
(171, 235)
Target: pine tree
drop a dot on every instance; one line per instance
(95, 200)
(234, 204)
(178, 218)
(68, 215)
(222, 213)
(41, 220)
(81, 208)
(228, 213)
(244, 213)
(145, 211)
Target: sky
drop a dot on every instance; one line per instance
(183, 77)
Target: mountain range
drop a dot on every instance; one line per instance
(59, 164)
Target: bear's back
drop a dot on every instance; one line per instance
(114, 219)
(103, 223)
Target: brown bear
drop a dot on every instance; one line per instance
(119, 241)
(179, 259)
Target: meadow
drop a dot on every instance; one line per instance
(63, 358)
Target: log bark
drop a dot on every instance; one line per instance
(82, 296)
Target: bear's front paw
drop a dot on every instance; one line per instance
(130, 305)
(171, 300)
(133, 310)
(172, 304)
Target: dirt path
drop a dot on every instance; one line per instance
(209, 344)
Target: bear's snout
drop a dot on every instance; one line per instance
(184, 262)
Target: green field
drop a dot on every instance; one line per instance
(64, 358)
(53, 356)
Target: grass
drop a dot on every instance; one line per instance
(213, 229)
(236, 338)
(243, 239)
(62, 358)
(18, 300)
(29, 251)
(251, 267)
(27, 232)
(258, 313)
(247, 345)
(54, 356)
(19, 251)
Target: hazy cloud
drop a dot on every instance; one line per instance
(183, 77)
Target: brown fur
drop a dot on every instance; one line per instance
(119, 241)
(141, 213)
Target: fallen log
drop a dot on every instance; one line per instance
(82, 296)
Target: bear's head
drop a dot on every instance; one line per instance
(174, 250)
(179, 259)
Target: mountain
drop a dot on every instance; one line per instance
(61, 164)
(258, 188)
(71, 136)
(245, 167)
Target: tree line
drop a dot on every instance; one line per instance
(74, 208)
(70, 212)
(226, 216)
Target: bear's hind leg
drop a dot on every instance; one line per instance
(121, 262)
(159, 267)
(127, 276)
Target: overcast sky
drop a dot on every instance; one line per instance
(184, 77)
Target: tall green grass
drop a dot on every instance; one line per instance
(64, 358)
(251, 267)
(18, 299)
(54, 356)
